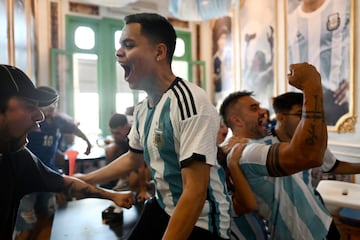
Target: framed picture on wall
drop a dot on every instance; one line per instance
(257, 39)
(3, 33)
(321, 33)
(222, 51)
(20, 35)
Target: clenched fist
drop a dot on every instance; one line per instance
(304, 75)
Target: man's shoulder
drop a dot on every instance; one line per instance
(255, 153)
(188, 88)
(190, 100)
(114, 150)
(64, 121)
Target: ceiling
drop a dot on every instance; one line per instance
(159, 6)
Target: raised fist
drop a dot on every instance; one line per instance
(304, 75)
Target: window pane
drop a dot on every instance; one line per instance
(20, 35)
(180, 69)
(124, 95)
(84, 38)
(3, 34)
(180, 48)
(86, 97)
(87, 113)
(117, 36)
(123, 101)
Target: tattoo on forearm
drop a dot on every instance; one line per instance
(312, 135)
(87, 192)
(273, 162)
(83, 192)
(313, 115)
(68, 189)
(317, 114)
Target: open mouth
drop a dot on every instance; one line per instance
(291, 72)
(126, 70)
(261, 121)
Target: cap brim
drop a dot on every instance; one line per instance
(44, 98)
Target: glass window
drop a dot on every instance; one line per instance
(180, 69)
(86, 102)
(180, 48)
(84, 38)
(117, 36)
(123, 101)
(3, 33)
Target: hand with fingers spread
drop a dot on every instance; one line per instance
(229, 144)
(243, 198)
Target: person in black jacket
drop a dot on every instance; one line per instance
(21, 172)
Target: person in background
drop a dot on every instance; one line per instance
(288, 109)
(44, 142)
(119, 128)
(174, 132)
(283, 199)
(37, 209)
(218, 61)
(21, 172)
(136, 180)
(270, 123)
(243, 199)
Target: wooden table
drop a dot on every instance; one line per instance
(81, 220)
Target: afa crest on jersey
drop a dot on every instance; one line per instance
(159, 138)
(333, 22)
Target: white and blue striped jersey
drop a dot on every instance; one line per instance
(329, 160)
(182, 128)
(322, 38)
(292, 210)
(248, 227)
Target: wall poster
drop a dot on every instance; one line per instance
(257, 41)
(222, 58)
(323, 36)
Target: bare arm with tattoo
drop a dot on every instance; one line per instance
(78, 188)
(306, 148)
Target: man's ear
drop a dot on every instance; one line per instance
(280, 117)
(161, 51)
(236, 121)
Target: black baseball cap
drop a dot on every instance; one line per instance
(14, 82)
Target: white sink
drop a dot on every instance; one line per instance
(339, 194)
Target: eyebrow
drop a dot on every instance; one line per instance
(126, 40)
(254, 105)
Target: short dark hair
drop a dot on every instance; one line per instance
(118, 120)
(157, 28)
(284, 102)
(229, 102)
